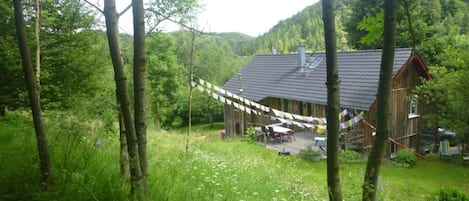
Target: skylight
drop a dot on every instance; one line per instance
(314, 62)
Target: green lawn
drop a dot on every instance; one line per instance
(213, 169)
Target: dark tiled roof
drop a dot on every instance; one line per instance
(279, 76)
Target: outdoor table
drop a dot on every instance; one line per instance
(282, 130)
(319, 140)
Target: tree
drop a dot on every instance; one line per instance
(66, 32)
(41, 138)
(445, 94)
(112, 20)
(37, 30)
(11, 77)
(140, 68)
(333, 176)
(383, 109)
(165, 77)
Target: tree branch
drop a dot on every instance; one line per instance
(125, 10)
(97, 8)
(177, 22)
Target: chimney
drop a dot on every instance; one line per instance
(274, 50)
(301, 55)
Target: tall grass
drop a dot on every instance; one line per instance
(213, 169)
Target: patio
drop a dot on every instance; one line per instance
(300, 141)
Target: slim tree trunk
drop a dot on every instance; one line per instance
(41, 138)
(140, 67)
(333, 109)
(191, 79)
(383, 97)
(37, 31)
(112, 31)
(124, 154)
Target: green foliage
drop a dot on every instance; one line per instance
(66, 77)
(308, 153)
(373, 26)
(452, 194)
(158, 11)
(82, 171)
(250, 135)
(12, 86)
(406, 156)
(347, 156)
(165, 77)
(214, 61)
(212, 170)
(304, 27)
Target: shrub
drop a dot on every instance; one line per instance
(251, 134)
(452, 194)
(350, 156)
(406, 156)
(309, 153)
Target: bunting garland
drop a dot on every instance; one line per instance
(320, 124)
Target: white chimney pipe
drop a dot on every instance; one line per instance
(301, 55)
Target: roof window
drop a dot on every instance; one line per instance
(313, 62)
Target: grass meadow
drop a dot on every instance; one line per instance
(212, 169)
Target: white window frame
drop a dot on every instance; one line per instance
(413, 107)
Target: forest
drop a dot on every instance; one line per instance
(72, 65)
(71, 28)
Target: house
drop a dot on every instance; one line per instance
(295, 83)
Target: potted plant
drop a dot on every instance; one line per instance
(310, 154)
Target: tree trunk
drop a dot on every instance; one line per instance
(124, 154)
(112, 20)
(38, 42)
(383, 108)
(140, 67)
(191, 79)
(41, 138)
(210, 119)
(333, 109)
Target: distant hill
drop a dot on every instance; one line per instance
(304, 27)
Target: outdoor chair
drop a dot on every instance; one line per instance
(274, 136)
(445, 151)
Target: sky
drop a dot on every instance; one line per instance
(251, 17)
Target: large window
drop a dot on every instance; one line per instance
(413, 106)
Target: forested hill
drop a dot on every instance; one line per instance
(304, 27)
(358, 26)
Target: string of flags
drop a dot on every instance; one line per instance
(244, 104)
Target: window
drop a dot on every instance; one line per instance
(413, 106)
(314, 62)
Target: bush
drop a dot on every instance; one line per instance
(347, 156)
(309, 154)
(251, 134)
(406, 156)
(452, 194)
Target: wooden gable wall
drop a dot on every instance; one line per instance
(405, 129)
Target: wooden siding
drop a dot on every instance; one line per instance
(403, 129)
